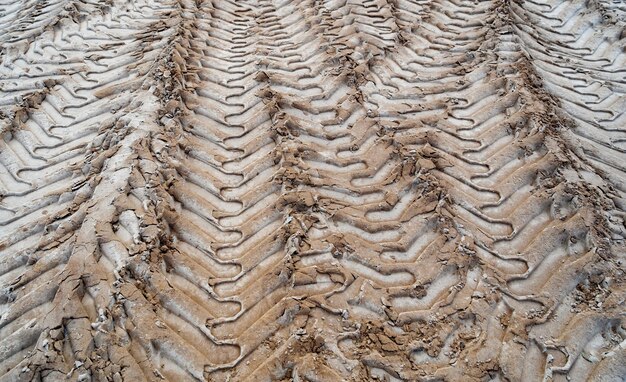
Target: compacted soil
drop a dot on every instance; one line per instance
(312, 190)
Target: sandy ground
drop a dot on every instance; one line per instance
(306, 190)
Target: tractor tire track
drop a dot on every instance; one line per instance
(312, 190)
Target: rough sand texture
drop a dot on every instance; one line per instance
(305, 190)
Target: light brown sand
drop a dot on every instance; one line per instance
(305, 190)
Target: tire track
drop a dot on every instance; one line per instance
(311, 190)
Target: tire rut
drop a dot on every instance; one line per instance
(312, 190)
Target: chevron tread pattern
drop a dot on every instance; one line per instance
(319, 190)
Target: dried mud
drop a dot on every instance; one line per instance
(305, 190)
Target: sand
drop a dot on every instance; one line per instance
(305, 190)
